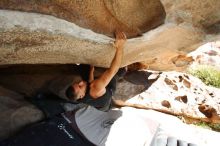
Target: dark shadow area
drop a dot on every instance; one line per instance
(28, 79)
(38, 69)
(140, 78)
(213, 29)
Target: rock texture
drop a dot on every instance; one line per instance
(102, 16)
(64, 42)
(182, 94)
(199, 13)
(29, 38)
(16, 112)
(207, 54)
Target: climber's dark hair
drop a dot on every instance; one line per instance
(70, 93)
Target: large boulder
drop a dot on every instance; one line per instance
(31, 38)
(102, 16)
(199, 13)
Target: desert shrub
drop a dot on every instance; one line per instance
(208, 74)
(211, 126)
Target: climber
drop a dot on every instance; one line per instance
(98, 92)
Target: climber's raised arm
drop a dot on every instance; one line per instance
(97, 87)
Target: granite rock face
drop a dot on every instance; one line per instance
(31, 38)
(207, 54)
(16, 112)
(181, 94)
(199, 13)
(133, 16)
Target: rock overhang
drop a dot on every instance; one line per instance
(102, 16)
(31, 38)
(32, 33)
(162, 48)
